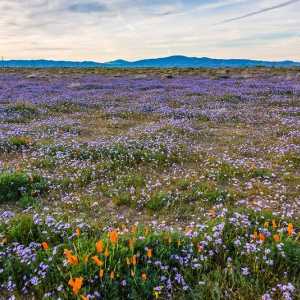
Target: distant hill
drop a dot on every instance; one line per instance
(177, 61)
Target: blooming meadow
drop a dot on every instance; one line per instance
(150, 184)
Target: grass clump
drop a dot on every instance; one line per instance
(19, 141)
(15, 185)
(23, 230)
(21, 113)
(15, 143)
(158, 201)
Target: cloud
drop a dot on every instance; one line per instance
(104, 30)
(89, 7)
(254, 13)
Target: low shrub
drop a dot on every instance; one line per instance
(15, 185)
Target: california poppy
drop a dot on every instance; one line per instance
(72, 259)
(76, 284)
(149, 252)
(97, 261)
(133, 229)
(276, 237)
(45, 245)
(99, 246)
(112, 275)
(134, 260)
(290, 229)
(113, 236)
(130, 243)
(77, 232)
(261, 237)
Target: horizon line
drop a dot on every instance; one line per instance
(147, 58)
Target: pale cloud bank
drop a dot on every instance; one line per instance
(103, 30)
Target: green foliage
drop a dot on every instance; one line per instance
(64, 107)
(47, 163)
(13, 186)
(27, 201)
(183, 184)
(292, 159)
(210, 193)
(260, 173)
(213, 272)
(158, 201)
(23, 230)
(19, 141)
(292, 250)
(123, 198)
(235, 99)
(21, 112)
(227, 171)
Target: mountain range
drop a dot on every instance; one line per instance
(176, 61)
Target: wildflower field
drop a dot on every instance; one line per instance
(150, 184)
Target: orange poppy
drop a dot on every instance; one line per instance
(112, 275)
(131, 243)
(144, 276)
(276, 237)
(134, 260)
(45, 245)
(149, 252)
(274, 225)
(97, 261)
(101, 273)
(133, 229)
(76, 284)
(99, 246)
(290, 229)
(72, 259)
(77, 232)
(261, 237)
(113, 236)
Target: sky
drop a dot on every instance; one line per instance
(105, 30)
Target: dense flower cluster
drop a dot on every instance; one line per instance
(152, 262)
(142, 184)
